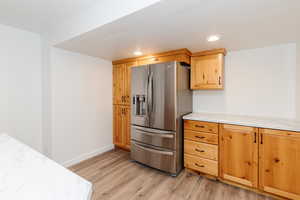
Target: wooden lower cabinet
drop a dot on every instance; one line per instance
(279, 163)
(121, 126)
(264, 160)
(239, 154)
(201, 151)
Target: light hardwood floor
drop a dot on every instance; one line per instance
(115, 177)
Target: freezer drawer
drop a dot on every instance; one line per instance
(158, 158)
(158, 138)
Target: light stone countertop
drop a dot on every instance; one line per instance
(25, 174)
(260, 122)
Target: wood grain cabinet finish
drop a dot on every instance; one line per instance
(121, 83)
(201, 164)
(201, 137)
(179, 55)
(279, 163)
(121, 126)
(208, 127)
(118, 84)
(207, 70)
(239, 154)
(201, 152)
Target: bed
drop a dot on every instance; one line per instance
(26, 174)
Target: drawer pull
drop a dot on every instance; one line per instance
(201, 151)
(200, 137)
(198, 126)
(199, 165)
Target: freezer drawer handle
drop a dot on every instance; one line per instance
(154, 150)
(155, 134)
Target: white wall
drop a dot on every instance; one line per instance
(20, 85)
(58, 102)
(258, 82)
(81, 117)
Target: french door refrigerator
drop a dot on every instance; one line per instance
(160, 97)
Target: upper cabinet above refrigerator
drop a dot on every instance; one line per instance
(207, 70)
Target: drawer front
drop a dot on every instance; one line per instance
(200, 164)
(208, 151)
(201, 137)
(158, 158)
(207, 127)
(163, 139)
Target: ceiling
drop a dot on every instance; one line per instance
(174, 24)
(39, 16)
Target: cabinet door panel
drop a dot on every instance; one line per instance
(207, 72)
(127, 82)
(126, 126)
(118, 84)
(239, 154)
(117, 125)
(280, 163)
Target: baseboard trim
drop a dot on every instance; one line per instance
(86, 156)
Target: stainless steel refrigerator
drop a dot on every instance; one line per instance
(160, 97)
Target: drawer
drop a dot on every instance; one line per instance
(201, 165)
(159, 158)
(207, 127)
(201, 137)
(203, 150)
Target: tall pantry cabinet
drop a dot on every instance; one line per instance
(121, 104)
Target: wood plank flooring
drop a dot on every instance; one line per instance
(115, 177)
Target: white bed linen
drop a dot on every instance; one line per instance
(26, 174)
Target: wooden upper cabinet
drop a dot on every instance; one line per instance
(118, 84)
(127, 81)
(121, 83)
(280, 163)
(179, 55)
(239, 154)
(207, 69)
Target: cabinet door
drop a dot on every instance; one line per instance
(280, 163)
(117, 125)
(127, 82)
(239, 154)
(207, 72)
(126, 127)
(118, 84)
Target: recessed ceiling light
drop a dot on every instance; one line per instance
(138, 53)
(213, 38)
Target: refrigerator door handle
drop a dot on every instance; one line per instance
(150, 92)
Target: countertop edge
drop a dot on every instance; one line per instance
(266, 124)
